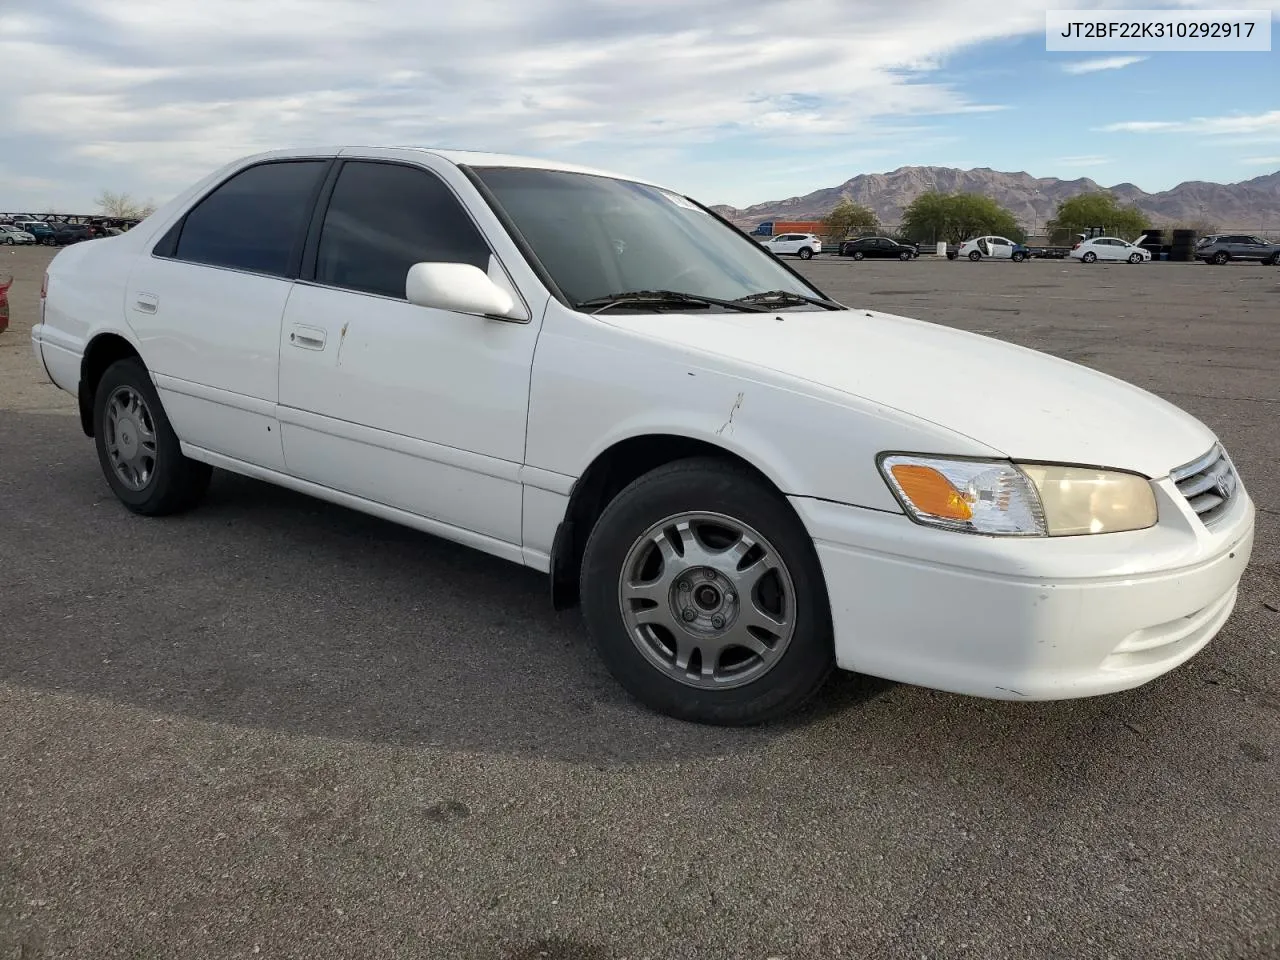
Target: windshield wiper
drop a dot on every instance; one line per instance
(668, 297)
(788, 296)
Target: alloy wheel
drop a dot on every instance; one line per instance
(130, 437)
(707, 600)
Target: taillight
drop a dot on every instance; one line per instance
(1076, 245)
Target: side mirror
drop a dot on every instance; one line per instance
(456, 286)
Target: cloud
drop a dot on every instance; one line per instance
(148, 103)
(1084, 161)
(702, 96)
(1262, 161)
(1102, 63)
(1264, 125)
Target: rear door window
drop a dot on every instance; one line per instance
(256, 221)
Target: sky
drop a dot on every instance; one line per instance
(731, 101)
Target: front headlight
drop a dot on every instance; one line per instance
(1080, 500)
(1000, 498)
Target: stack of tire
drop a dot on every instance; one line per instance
(1183, 247)
(1154, 243)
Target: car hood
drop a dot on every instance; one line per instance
(1025, 404)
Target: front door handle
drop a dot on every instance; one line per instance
(309, 338)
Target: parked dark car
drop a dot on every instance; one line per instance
(864, 247)
(1222, 248)
(66, 233)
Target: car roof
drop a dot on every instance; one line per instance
(475, 158)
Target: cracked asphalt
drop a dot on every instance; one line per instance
(277, 728)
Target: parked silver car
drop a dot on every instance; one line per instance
(1222, 248)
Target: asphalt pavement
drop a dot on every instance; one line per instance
(277, 728)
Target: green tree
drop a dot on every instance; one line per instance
(1098, 209)
(848, 218)
(956, 217)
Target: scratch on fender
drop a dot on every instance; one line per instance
(342, 338)
(737, 405)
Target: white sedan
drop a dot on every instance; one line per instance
(744, 483)
(1110, 248)
(802, 245)
(997, 248)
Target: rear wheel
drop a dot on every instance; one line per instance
(703, 593)
(858, 255)
(806, 254)
(1089, 256)
(975, 256)
(137, 447)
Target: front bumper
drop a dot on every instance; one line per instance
(1027, 619)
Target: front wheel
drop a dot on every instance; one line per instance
(905, 255)
(1135, 258)
(806, 254)
(137, 448)
(975, 256)
(1221, 257)
(1089, 257)
(703, 594)
(1019, 256)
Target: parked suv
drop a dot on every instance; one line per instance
(1222, 248)
(743, 482)
(862, 247)
(40, 230)
(802, 245)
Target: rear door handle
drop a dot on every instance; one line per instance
(146, 303)
(308, 338)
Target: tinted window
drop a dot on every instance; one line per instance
(255, 221)
(383, 218)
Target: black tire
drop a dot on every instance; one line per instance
(806, 253)
(1089, 256)
(1019, 256)
(1221, 257)
(975, 255)
(708, 485)
(176, 483)
(904, 255)
(858, 255)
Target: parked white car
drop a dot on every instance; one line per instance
(997, 248)
(11, 235)
(743, 482)
(1110, 248)
(802, 245)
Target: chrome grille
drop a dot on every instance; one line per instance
(1209, 484)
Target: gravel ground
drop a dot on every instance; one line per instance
(277, 728)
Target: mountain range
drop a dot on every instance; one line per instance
(1249, 205)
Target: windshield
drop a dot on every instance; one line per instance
(599, 237)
